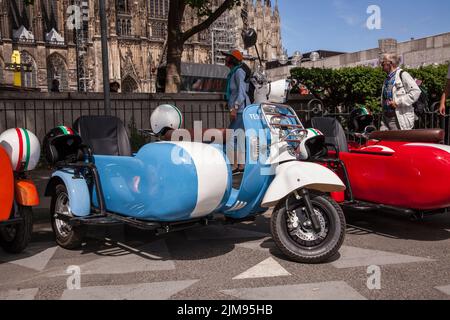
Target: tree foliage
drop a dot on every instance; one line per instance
(354, 86)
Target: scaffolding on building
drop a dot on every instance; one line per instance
(223, 37)
(81, 41)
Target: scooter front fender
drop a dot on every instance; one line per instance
(26, 193)
(297, 175)
(77, 189)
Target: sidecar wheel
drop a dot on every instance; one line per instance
(15, 238)
(298, 241)
(67, 237)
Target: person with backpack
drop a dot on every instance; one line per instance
(399, 95)
(445, 95)
(237, 99)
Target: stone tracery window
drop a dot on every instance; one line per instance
(159, 8)
(123, 6)
(57, 69)
(159, 30)
(29, 79)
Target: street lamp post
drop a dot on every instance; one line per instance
(105, 59)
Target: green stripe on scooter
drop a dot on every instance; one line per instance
(27, 141)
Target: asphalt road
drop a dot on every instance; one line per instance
(385, 256)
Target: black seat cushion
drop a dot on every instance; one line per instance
(333, 131)
(105, 135)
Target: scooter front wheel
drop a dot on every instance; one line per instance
(67, 236)
(15, 238)
(294, 235)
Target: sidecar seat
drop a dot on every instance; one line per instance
(333, 131)
(106, 135)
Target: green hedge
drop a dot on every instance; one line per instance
(354, 86)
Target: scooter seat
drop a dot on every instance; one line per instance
(426, 136)
(217, 136)
(105, 135)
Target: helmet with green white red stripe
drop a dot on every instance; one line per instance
(60, 144)
(360, 118)
(166, 117)
(312, 146)
(23, 148)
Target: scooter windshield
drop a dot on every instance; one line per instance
(283, 122)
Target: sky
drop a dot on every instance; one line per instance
(341, 25)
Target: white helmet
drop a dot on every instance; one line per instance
(312, 146)
(22, 147)
(166, 117)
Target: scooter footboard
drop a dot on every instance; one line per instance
(77, 190)
(296, 175)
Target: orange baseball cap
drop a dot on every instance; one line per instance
(236, 54)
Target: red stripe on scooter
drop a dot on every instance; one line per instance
(19, 160)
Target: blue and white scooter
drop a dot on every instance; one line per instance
(173, 185)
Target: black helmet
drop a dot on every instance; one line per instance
(61, 144)
(249, 37)
(360, 118)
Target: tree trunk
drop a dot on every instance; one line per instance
(174, 54)
(176, 39)
(175, 46)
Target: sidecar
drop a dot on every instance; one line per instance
(173, 185)
(403, 171)
(19, 153)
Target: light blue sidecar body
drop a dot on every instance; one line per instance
(166, 182)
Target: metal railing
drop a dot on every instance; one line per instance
(40, 112)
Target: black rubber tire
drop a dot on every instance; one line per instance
(22, 235)
(324, 251)
(74, 239)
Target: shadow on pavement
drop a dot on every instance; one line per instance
(390, 225)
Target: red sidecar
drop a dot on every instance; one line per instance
(406, 171)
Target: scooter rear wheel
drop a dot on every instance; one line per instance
(67, 236)
(294, 235)
(15, 238)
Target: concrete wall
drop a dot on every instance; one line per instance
(415, 53)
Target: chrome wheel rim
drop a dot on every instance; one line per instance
(62, 207)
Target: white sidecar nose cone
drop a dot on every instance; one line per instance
(212, 175)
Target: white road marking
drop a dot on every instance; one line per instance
(444, 289)
(124, 259)
(35, 257)
(267, 269)
(144, 291)
(357, 257)
(265, 244)
(317, 291)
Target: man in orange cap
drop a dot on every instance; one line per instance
(237, 98)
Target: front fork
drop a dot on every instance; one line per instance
(309, 209)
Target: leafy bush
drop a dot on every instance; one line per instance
(137, 140)
(352, 86)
